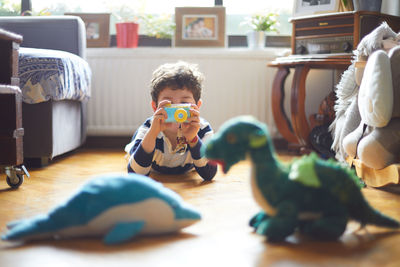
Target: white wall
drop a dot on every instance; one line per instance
(391, 7)
(319, 84)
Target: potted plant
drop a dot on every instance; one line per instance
(127, 27)
(158, 29)
(260, 24)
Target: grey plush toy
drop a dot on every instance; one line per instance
(367, 123)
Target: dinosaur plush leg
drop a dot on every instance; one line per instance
(326, 228)
(331, 224)
(257, 219)
(276, 229)
(283, 224)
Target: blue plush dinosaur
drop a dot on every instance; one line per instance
(118, 207)
(315, 196)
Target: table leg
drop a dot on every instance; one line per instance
(278, 96)
(300, 124)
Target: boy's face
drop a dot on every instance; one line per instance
(178, 96)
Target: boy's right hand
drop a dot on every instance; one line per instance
(159, 117)
(157, 125)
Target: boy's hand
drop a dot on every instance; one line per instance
(192, 126)
(157, 125)
(159, 117)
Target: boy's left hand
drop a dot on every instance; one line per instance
(192, 126)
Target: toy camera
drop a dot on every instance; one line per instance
(177, 112)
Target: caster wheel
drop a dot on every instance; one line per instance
(15, 181)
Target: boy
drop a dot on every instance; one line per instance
(172, 148)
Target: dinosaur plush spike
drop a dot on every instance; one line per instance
(317, 197)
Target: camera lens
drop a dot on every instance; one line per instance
(180, 115)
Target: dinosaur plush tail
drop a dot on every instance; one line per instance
(372, 216)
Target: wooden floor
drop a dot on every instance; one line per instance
(222, 238)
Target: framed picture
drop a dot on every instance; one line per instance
(97, 28)
(200, 26)
(308, 7)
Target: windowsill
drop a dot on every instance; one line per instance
(239, 41)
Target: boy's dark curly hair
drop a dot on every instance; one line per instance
(177, 76)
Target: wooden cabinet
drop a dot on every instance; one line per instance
(11, 130)
(336, 32)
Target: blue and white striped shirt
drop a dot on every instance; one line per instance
(163, 159)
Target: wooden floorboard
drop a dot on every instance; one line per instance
(221, 238)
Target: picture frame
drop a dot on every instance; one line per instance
(97, 28)
(200, 26)
(310, 7)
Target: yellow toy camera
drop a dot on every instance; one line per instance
(177, 112)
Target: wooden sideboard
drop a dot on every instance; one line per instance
(324, 41)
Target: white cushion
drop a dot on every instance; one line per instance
(375, 98)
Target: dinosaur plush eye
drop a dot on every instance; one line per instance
(231, 138)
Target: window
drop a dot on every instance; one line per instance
(236, 10)
(10, 7)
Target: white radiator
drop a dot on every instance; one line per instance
(237, 82)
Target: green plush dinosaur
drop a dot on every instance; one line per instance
(315, 196)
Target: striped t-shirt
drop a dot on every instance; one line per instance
(164, 160)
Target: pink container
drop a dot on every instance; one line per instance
(127, 34)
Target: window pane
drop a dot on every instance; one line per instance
(10, 7)
(236, 10)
